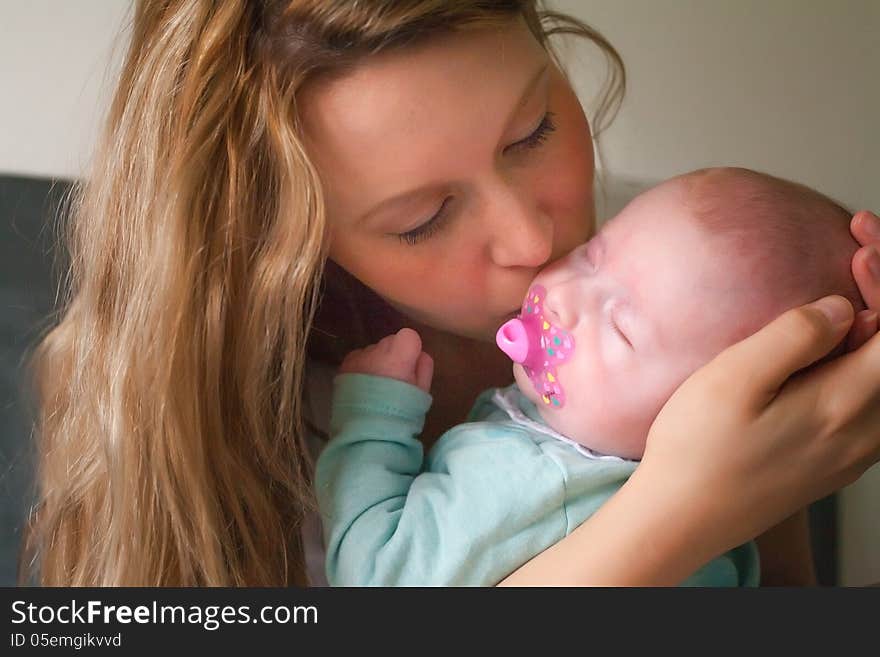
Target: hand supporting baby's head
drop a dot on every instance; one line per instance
(685, 270)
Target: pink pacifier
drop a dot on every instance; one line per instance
(539, 346)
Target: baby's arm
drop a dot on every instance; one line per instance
(390, 521)
(364, 477)
(365, 473)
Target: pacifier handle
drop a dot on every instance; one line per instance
(513, 340)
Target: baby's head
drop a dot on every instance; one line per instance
(686, 269)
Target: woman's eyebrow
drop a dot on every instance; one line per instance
(398, 200)
(413, 194)
(528, 91)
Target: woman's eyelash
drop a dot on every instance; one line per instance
(428, 228)
(539, 136)
(425, 230)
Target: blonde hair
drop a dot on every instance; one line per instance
(170, 408)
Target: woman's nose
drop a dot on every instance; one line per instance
(522, 235)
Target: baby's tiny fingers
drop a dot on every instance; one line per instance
(351, 361)
(424, 371)
(406, 345)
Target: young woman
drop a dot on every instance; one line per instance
(401, 163)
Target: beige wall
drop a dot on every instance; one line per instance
(56, 70)
(786, 86)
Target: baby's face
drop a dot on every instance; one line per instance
(647, 301)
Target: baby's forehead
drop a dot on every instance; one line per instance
(658, 225)
(661, 246)
(665, 223)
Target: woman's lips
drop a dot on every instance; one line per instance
(511, 315)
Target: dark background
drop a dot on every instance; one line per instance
(30, 268)
(28, 284)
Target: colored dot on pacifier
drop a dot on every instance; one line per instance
(537, 298)
(550, 377)
(550, 351)
(555, 402)
(556, 340)
(546, 399)
(546, 326)
(529, 309)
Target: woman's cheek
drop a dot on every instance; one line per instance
(568, 200)
(574, 143)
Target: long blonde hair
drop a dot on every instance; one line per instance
(170, 409)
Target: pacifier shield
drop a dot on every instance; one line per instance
(539, 346)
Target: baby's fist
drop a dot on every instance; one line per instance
(398, 356)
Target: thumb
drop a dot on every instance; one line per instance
(791, 342)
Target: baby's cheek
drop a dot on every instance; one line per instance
(613, 413)
(524, 383)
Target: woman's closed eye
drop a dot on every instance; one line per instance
(538, 136)
(428, 228)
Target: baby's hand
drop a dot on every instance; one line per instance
(397, 356)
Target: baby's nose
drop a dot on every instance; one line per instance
(558, 309)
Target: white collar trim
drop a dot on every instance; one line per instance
(506, 400)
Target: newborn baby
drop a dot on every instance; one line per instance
(605, 336)
(685, 270)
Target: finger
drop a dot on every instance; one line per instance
(863, 328)
(866, 271)
(865, 227)
(406, 345)
(349, 363)
(846, 390)
(424, 371)
(791, 342)
(386, 344)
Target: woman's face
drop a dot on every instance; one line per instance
(452, 173)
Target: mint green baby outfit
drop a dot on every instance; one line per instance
(491, 494)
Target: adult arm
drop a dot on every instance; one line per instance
(786, 553)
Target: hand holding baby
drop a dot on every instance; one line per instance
(397, 356)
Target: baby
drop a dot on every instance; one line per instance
(604, 338)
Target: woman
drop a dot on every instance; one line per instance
(249, 141)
